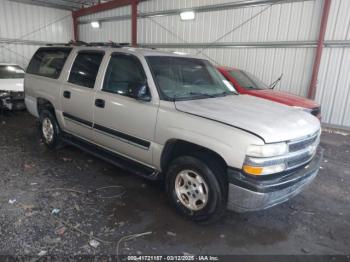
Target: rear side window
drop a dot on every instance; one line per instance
(48, 62)
(85, 69)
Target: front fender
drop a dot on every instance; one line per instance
(228, 142)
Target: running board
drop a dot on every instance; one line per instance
(111, 157)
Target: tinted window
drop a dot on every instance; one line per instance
(11, 71)
(123, 73)
(85, 69)
(48, 62)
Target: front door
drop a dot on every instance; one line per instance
(122, 123)
(78, 94)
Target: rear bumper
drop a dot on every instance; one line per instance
(250, 194)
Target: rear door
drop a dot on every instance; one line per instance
(121, 123)
(78, 93)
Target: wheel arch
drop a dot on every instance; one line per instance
(174, 148)
(44, 104)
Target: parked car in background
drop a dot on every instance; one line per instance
(247, 83)
(175, 118)
(11, 87)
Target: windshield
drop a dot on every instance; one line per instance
(248, 81)
(11, 71)
(182, 78)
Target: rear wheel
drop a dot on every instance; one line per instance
(196, 189)
(49, 130)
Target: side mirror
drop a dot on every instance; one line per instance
(140, 92)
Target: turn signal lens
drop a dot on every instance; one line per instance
(266, 170)
(253, 170)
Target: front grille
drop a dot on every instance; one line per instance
(302, 151)
(303, 143)
(299, 160)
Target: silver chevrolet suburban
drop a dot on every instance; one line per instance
(173, 117)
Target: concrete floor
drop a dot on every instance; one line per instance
(315, 222)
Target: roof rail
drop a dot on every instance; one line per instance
(82, 43)
(58, 44)
(110, 44)
(70, 43)
(78, 43)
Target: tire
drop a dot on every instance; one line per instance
(207, 182)
(49, 130)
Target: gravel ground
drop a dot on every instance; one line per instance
(55, 203)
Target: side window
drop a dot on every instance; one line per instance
(48, 62)
(85, 69)
(123, 73)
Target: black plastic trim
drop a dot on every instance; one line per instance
(135, 140)
(124, 136)
(77, 119)
(112, 157)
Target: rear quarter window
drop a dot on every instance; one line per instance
(48, 62)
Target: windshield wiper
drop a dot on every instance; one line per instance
(198, 95)
(194, 95)
(201, 94)
(273, 85)
(226, 93)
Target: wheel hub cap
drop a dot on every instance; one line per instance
(191, 190)
(47, 129)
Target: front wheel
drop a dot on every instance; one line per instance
(196, 189)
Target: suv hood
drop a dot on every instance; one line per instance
(284, 98)
(271, 121)
(13, 85)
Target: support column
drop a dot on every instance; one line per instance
(75, 28)
(320, 44)
(134, 23)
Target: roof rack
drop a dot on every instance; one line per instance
(110, 44)
(82, 43)
(70, 43)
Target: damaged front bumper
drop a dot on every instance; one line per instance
(12, 100)
(247, 193)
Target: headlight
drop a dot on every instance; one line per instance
(265, 160)
(267, 150)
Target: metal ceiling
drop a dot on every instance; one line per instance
(62, 4)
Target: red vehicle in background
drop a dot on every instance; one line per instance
(246, 83)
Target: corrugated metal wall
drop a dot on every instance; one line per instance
(119, 31)
(333, 89)
(293, 22)
(29, 26)
(296, 21)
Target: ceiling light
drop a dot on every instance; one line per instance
(95, 24)
(187, 15)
